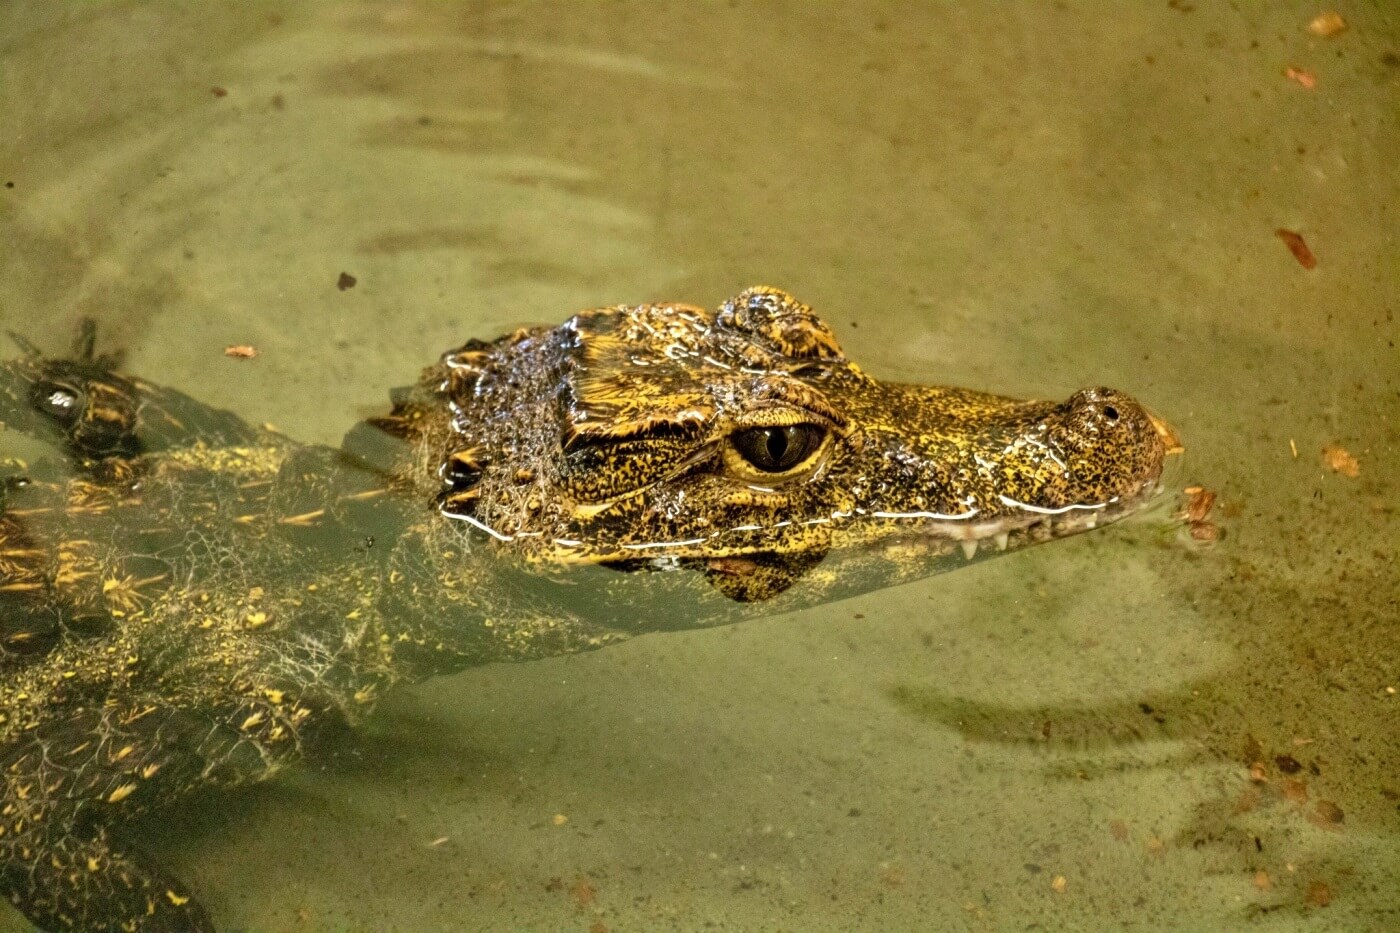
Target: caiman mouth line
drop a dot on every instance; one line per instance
(1039, 524)
(1014, 531)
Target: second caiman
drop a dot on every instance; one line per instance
(187, 600)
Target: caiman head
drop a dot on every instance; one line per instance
(741, 449)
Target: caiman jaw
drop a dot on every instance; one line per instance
(984, 474)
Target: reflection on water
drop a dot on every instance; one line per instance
(1115, 729)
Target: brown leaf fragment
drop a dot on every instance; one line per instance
(1327, 24)
(1298, 247)
(1059, 883)
(345, 281)
(1195, 511)
(240, 351)
(1261, 880)
(1119, 829)
(1288, 764)
(1301, 76)
(1206, 532)
(583, 892)
(1258, 772)
(1326, 814)
(1248, 800)
(1319, 894)
(597, 926)
(1294, 790)
(1199, 502)
(219, 91)
(1338, 460)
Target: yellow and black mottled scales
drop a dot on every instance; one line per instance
(188, 600)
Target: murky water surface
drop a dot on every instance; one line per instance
(1025, 199)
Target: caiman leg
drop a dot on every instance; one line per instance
(67, 780)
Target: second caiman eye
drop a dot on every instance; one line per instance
(61, 402)
(779, 448)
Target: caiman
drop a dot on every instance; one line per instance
(189, 600)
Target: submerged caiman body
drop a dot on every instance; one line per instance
(189, 600)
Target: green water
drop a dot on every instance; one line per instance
(1020, 197)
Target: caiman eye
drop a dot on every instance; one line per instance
(61, 402)
(778, 449)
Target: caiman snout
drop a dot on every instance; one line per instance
(1102, 447)
(1109, 423)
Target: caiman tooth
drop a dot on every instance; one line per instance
(969, 548)
(1002, 539)
(461, 501)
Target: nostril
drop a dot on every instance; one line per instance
(1110, 413)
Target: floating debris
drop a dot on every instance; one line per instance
(1294, 791)
(1327, 24)
(1302, 76)
(1337, 459)
(1326, 814)
(583, 892)
(1198, 504)
(1298, 247)
(240, 351)
(345, 281)
(1319, 894)
(1196, 513)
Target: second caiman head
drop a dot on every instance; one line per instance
(666, 466)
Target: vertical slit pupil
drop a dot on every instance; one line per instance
(777, 443)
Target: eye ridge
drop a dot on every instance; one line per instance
(778, 448)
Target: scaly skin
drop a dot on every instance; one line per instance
(186, 600)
